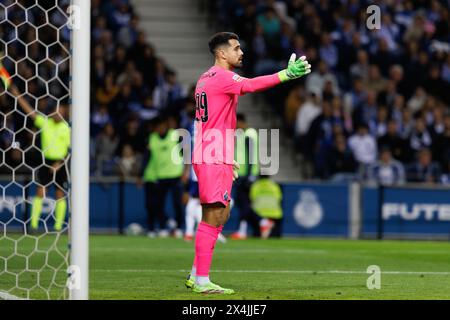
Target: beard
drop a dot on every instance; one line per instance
(238, 64)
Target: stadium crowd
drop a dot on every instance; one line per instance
(40, 69)
(375, 105)
(377, 102)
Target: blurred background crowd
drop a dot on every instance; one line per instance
(376, 105)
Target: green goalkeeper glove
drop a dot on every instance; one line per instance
(295, 69)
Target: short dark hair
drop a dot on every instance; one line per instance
(363, 125)
(385, 148)
(424, 150)
(219, 39)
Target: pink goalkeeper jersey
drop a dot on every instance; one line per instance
(216, 96)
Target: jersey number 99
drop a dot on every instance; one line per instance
(201, 104)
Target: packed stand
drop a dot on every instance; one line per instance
(376, 105)
(40, 67)
(131, 85)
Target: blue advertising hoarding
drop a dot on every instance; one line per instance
(407, 211)
(309, 209)
(318, 209)
(103, 201)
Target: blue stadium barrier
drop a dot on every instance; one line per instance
(316, 209)
(414, 212)
(310, 209)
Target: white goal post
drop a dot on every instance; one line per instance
(79, 225)
(44, 204)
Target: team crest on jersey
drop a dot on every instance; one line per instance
(225, 196)
(237, 78)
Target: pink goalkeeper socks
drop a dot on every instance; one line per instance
(205, 241)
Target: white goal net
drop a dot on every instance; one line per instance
(35, 42)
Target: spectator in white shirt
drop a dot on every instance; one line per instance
(307, 112)
(387, 171)
(363, 145)
(316, 80)
(417, 101)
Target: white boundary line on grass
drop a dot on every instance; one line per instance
(7, 296)
(222, 250)
(443, 273)
(259, 250)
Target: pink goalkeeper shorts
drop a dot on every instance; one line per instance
(214, 182)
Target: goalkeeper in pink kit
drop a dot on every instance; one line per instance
(216, 96)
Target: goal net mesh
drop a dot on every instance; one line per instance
(35, 58)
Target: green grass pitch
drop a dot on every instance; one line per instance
(126, 267)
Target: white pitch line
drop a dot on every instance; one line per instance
(221, 250)
(278, 271)
(7, 296)
(262, 250)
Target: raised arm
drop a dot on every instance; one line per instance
(29, 110)
(240, 85)
(257, 84)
